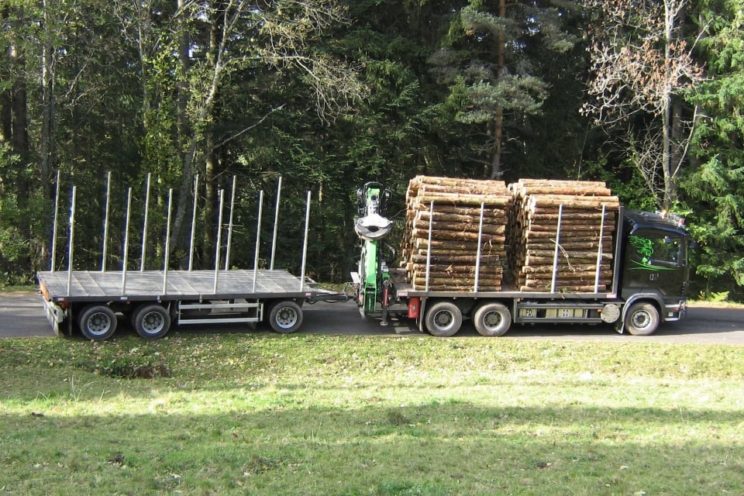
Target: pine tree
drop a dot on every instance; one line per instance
(715, 188)
(488, 61)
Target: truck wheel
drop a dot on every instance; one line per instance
(285, 317)
(492, 319)
(151, 321)
(97, 322)
(443, 319)
(642, 319)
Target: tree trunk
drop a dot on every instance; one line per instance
(667, 166)
(187, 139)
(46, 138)
(6, 115)
(498, 124)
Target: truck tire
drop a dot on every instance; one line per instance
(285, 316)
(97, 322)
(151, 321)
(443, 319)
(492, 319)
(642, 319)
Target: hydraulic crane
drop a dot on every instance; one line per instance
(372, 281)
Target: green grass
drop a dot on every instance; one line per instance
(263, 414)
(18, 288)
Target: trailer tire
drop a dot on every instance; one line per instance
(285, 316)
(642, 319)
(97, 322)
(443, 319)
(492, 319)
(151, 321)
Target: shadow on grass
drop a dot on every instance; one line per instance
(433, 448)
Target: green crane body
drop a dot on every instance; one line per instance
(371, 228)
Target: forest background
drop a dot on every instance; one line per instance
(330, 94)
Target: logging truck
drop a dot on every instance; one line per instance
(536, 251)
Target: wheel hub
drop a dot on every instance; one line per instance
(99, 323)
(641, 319)
(153, 322)
(286, 318)
(492, 319)
(443, 319)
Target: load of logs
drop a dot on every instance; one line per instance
(449, 216)
(561, 235)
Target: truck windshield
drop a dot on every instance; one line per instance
(668, 250)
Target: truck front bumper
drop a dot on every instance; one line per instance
(675, 311)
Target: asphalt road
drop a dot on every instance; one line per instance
(22, 315)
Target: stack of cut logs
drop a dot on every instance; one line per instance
(455, 224)
(534, 238)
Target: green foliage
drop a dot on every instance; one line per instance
(475, 21)
(480, 91)
(715, 188)
(623, 179)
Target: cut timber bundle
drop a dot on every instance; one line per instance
(446, 219)
(568, 214)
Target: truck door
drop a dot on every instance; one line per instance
(656, 261)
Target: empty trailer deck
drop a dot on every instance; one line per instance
(176, 285)
(154, 299)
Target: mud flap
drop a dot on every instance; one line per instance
(55, 315)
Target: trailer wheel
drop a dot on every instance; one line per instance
(285, 316)
(492, 319)
(443, 319)
(97, 322)
(642, 319)
(151, 321)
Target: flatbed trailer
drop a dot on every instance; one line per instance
(154, 300)
(186, 297)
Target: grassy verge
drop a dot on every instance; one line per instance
(265, 414)
(18, 288)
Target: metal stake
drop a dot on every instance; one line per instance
(126, 245)
(478, 253)
(304, 244)
(230, 223)
(428, 247)
(144, 228)
(167, 242)
(219, 242)
(276, 222)
(557, 243)
(193, 223)
(258, 239)
(71, 245)
(599, 249)
(54, 223)
(106, 223)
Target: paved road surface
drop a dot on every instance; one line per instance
(21, 314)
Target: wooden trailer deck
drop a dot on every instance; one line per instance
(180, 285)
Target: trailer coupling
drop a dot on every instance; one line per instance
(327, 296)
